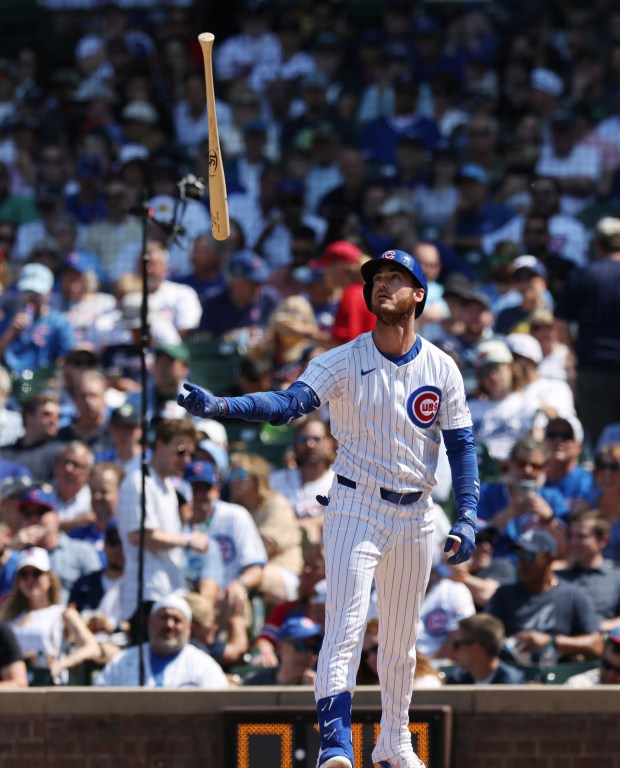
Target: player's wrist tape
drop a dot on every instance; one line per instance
(222, 407)
(467, 516)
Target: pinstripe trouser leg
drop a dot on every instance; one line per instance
(367, 538)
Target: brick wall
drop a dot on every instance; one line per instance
(496, 727)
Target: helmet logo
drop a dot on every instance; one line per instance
(389, 255)
(423, 406)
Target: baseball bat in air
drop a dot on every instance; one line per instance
(218, 201)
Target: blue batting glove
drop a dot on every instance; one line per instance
(200, 402)
(467, 534)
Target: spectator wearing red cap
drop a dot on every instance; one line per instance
(339, 266)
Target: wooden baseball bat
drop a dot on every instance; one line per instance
(218, 201)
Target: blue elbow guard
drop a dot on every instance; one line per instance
(302, 401)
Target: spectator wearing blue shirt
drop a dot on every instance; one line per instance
(246, 301)
(381, 137)
(564, 436)
(206, 259)
(35, 336)
(475, 214)
(520, 501)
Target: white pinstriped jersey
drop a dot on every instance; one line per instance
(386, 418)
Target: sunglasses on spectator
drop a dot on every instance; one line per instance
(239, 474)
(536, 465)
(611, 466)
(308, 439)
(524, 556)
(552, 435)
(609, 667)
(456, 644)
(27, 573)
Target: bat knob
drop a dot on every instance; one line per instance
(454, 537)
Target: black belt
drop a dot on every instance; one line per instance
(395, 497)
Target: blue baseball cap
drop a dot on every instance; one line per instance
(201, 472)
(299, 628)
(536, 541)
(473, 172)
(39, 497)
(249, 265)
(80, 261)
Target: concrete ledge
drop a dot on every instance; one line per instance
(493, 699)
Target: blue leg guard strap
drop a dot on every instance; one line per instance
(334, 714)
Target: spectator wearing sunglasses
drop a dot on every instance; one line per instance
(164, 538)
(521, 501)
(558, 361)
(40, 621)
(607, 480)
(541, 611)
(310, 475)
(564, 439)
(608, 670)
(588, 535)
(477, 645)
(483, 573)
(299, 643)
(37, 448)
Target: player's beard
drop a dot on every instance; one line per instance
(399, 311)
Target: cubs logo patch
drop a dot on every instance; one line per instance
(423, 406)
(436, 622)
(389, 255)
(228, 548)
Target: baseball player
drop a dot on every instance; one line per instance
(390, 393)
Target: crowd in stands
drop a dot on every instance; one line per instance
(484, 138)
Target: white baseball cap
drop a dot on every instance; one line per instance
(36, 557)
(213, 430)
(35, 278)
(492, 351)
(547, 81)
(173, 600)
(525, 345)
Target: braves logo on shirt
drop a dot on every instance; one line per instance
(423, 406)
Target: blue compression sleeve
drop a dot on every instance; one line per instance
(463, 461)
(276, 407)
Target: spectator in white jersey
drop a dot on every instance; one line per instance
(313, 448)
(233, 528)
(175, 441)
(170, 660)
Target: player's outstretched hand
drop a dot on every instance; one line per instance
(467, 537)
(199, 402)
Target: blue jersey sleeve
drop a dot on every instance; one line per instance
(276, 407)
(463, 461)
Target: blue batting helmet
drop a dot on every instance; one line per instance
(395, 257)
